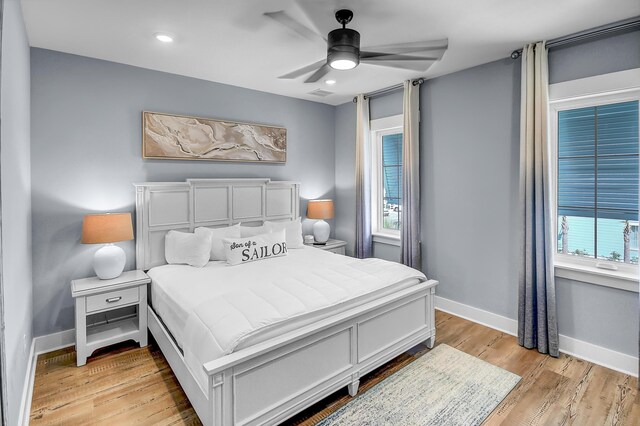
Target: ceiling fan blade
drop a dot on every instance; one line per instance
(321, 14)
(379, 56)
(282, 18)
(405, 65)
(433, 47)
(318, 74)
(304, 70)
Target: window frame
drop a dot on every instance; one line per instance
(379, 128)
(635, 224)
(591, 91)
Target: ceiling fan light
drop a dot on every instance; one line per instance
(342, 64)
(343, 49)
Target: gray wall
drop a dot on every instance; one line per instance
(469, 173)
(386, 106)
(608, 54)
(345, 201)
(86, 152)
(16, 204)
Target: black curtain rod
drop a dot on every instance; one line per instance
(619, 26)
(388, 89)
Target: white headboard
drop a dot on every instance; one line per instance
(184, 206)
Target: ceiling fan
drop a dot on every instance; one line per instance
(343, 49)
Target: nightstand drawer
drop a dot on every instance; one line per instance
(112, 299)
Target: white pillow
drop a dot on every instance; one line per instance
(217, 234)
(187, 248)
(243, 250)
(251, 231)
(293, 231)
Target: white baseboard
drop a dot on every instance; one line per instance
(491, 320)
(27, 392)
(41, 345)
(598, 355)
(54, 341)
(614, 360)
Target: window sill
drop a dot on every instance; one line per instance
(621, 280)
(391, 240)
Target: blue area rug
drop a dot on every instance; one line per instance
(443, 387)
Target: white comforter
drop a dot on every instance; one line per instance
(263, 299)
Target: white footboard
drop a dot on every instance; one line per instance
(269, 382)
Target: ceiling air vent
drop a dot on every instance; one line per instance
(320, 92)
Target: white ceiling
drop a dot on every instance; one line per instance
(232, 42)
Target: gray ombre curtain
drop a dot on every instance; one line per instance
(537, 320)
(410, 229)
(363, 180)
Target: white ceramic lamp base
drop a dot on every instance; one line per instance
(321, 231)
(108, 262)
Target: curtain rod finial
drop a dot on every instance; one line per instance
(516, 54)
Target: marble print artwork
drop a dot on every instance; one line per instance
(176, 137)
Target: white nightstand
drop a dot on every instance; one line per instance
(334, 246)
(93, 295)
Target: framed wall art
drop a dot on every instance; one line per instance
(178, 137)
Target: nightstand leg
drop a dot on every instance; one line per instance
(81, 332)
(80, 359)
(142, 316)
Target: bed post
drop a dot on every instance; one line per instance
(353, 386)
(221, 399)
(431, 313)
(140, 203)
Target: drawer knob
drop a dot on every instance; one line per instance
(113, 299)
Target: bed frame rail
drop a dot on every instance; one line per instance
(271, 381)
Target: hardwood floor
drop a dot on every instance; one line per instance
(130, 385)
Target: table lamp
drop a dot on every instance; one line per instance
(108, 228)
(320, 209)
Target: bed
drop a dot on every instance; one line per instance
(354, 315)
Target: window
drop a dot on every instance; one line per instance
(391, 150)
(596, 144)
(598, 181)
(386, 144)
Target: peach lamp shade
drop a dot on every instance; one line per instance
(107, 228)
(109, 260)
(320, 209)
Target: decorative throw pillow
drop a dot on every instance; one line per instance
(243, 250)
(250, 231)
(293, 231)
(217, 235)
(187, 248)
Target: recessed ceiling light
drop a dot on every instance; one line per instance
(164, 37)
(330, 82)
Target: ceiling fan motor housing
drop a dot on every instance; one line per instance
(343, 44)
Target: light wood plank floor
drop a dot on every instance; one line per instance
(129, 385)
